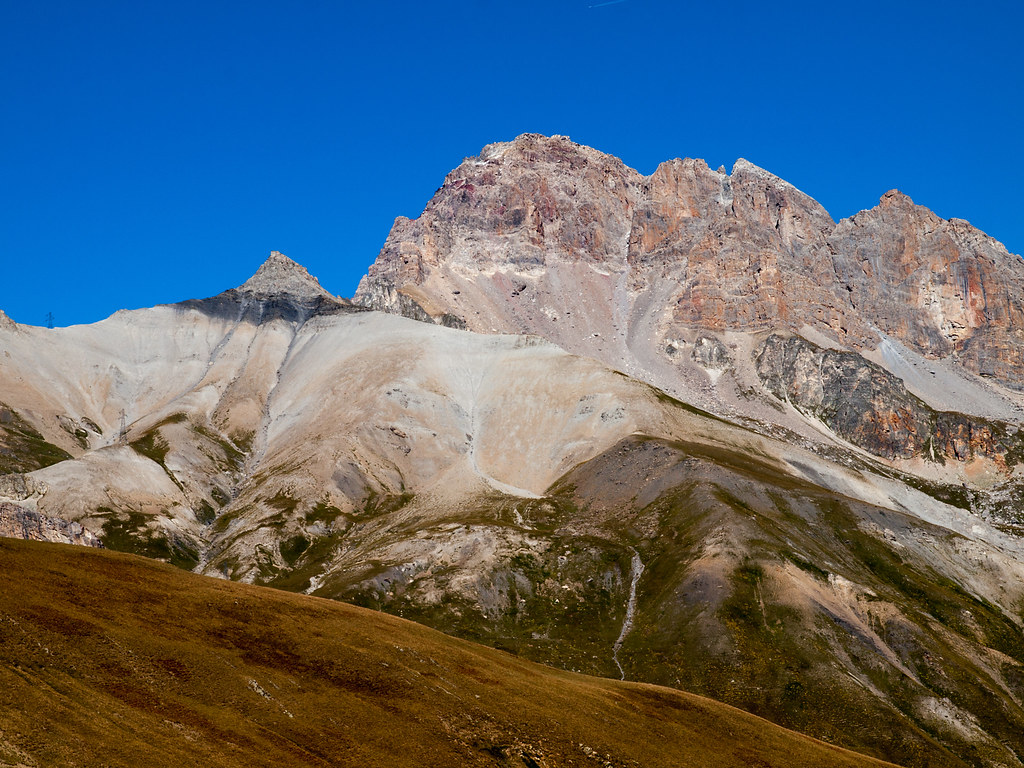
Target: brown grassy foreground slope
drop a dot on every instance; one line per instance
(114, 660)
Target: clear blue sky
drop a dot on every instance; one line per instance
(153, 152)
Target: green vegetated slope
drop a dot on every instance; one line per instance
(827, 615)
(110, 659)
(22, 448)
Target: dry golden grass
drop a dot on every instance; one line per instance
(113, 660)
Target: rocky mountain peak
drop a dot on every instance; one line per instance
(742, 165)
(536, 146)
(280, 289)
(5, 321)
(743, 168)
(896, 199)
(546, 236)
(280, 275)
(549, 215)
(533, 155)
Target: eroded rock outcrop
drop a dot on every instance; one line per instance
(744, 250)
(18, 487)
(19, 523)
(709, 352)
(867, 405)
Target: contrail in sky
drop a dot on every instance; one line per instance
(610, 2)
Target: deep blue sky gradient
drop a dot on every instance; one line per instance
(153, 152)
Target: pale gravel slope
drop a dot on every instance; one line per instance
(335, 407)
(309, 412)
(407, 402)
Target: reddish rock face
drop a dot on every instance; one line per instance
(744, 249)
(518, 204)
(942, 287)
(539, 230)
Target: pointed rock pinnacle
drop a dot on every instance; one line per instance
(279, 275)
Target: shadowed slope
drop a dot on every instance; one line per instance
(110, 659)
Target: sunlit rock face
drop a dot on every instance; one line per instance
(545, 236)
(941, 287)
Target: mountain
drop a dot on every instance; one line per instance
(112, 660)
(682, 429)
(652, 274)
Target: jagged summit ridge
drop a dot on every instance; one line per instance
(541, 235)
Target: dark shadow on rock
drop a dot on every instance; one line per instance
(238, 306)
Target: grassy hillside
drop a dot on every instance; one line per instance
(820, 613)
(110, 659)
